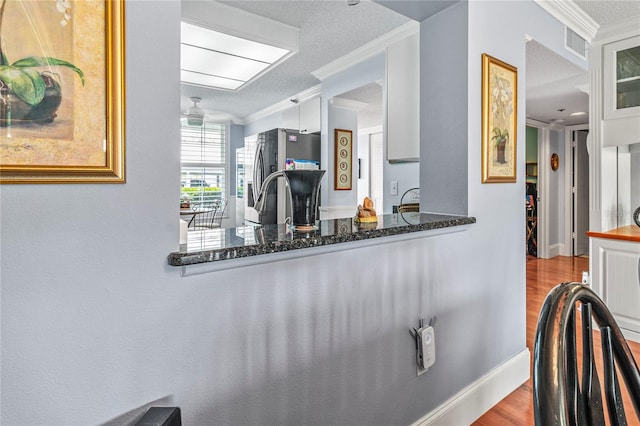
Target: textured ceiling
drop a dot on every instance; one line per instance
(606, 12)
(555, 87)
(330, 29)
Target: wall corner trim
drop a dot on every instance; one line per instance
(476, 399)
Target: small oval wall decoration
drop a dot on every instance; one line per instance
(555, 161)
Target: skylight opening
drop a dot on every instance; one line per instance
(214, 59)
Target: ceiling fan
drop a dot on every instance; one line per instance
(195, 114)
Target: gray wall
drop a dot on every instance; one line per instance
(96, 325)
(444, 69)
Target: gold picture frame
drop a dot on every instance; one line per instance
(343, 160)
(81, 140)
(499, 120)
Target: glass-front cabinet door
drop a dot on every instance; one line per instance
(622, 78)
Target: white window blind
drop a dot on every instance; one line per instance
(202, 163)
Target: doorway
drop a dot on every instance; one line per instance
(579, 191)
(531, 191)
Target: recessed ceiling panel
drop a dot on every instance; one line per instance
(207, 80)
(217, 41)
(220, 64)
(219, 60)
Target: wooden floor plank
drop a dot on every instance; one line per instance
(542, 275)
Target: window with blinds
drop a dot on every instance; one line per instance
(202, 163)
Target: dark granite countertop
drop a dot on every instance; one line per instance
(213, 245)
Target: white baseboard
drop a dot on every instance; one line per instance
(556, 250)
(476, 399)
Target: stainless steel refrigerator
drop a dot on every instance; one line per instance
(269, 152)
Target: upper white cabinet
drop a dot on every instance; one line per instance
(310, 115)
(403, 100)
(615, 64)
(304, 117)
(622, 78)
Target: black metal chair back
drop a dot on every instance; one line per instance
(219, 213)
(560, 396)
(205, 215)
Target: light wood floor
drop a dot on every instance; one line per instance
(542, 276)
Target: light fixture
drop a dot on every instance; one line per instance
(575, 114)
(195, 115)
(352, 2)
(223, 47)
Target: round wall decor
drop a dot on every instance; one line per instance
(555, 161)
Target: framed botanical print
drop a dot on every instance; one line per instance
(499, 120)
(62, 91)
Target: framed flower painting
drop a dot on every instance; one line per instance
(499, 120)
(62, 91)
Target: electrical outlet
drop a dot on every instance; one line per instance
(394, 187)
(585, 277)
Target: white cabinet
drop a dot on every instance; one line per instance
(403, 100)
(309, 115)
(304, 117)
(620, 91)
(615, 277)
(290, 118)
(622, 78)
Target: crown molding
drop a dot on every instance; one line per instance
(613, 32)
(290, 102)
(347, 103)
(368, 50)
(567, 12)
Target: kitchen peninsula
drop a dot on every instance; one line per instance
(220, 245)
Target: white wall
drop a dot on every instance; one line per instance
(452, 127)
(89, 306)
(368, 71)
(96, 325)
(344, 119)
(556, 192)
(364, 148)
(406, 174)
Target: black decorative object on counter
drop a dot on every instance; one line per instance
(636, 216)
(305, 188)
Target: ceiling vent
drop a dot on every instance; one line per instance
(574, 43)
(195, 115)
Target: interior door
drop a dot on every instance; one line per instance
(376, 175)
(580, 192)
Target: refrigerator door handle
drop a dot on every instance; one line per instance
(258, 172)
